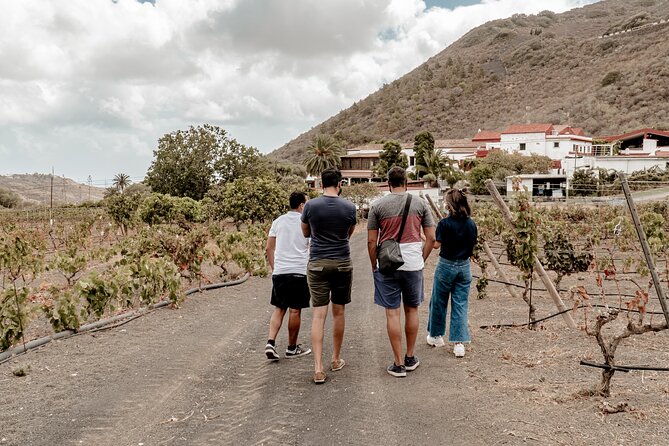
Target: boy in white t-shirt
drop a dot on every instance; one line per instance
(288, 254)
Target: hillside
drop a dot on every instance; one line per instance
(35, 189)
(559, 68)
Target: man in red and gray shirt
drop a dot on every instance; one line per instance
(404, 286)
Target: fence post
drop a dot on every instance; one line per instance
(644, 245)
(538, 267)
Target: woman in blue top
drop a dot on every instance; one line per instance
(456, 237)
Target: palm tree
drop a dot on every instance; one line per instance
(433, 163)
(121, 181)
(324, 152)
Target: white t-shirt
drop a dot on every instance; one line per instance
(292, 248)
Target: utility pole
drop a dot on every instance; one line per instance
(51, 201)
(89, 181)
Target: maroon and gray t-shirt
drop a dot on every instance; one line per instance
(386, 216)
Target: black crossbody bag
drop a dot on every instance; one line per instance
(388, 253)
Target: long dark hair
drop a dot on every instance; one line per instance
(457, 203)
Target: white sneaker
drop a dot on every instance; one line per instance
(437, 341)
(459, 350)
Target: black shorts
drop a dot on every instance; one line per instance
(290, 291)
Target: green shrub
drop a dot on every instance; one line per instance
(64, 313)
(186, 209)
(611, 78)
(98, 292)
(156, 209)
(254, 200)
(14, 315)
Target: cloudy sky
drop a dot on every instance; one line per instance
(88, 86)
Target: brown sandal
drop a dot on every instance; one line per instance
(320, 377)
(337, 365)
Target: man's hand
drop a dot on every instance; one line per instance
(372, 241)
(306, 230)
(269, 251)
(429, 241)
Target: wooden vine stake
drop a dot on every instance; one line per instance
(644, 246)
(488, 251)
(538, 267)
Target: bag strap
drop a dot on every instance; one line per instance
(404, 217)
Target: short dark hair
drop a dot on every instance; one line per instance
(397, 176)
(296, 199)
(457, 203)
(331, 177)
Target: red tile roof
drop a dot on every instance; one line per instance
(634, 134)
(487, 135)
(528, 128)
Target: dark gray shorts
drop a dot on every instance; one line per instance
(330, 279)
(390, 290)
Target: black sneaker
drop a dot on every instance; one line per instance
(411, 363)
(270, 352)
(398, 371)
(299, 351)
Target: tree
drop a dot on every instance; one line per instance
(390, 156)
(122, 209)
(361, 195)
(239, 161)
(187, 163)
(9, 198)
(504, 164)
(121, 181)
(423, 142)
(324, 152)
(477, 177)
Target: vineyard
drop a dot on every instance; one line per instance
(64, 270)
(60, 271)
(589, 260)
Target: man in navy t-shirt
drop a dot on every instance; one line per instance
(329, 220)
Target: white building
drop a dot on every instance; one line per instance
(637, 150)
(554, 141)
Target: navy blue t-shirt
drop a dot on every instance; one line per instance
(330, 219)
(457, 236)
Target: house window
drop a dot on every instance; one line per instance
(412, 161)
(556, 145)
(522, 146)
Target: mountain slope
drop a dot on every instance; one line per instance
(559, 68)
(35, 189)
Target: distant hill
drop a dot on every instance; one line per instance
(602, 67)
(35, 189)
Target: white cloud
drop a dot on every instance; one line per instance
(90, 85)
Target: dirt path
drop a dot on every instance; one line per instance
(198, 376)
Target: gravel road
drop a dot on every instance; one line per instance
(198, 375)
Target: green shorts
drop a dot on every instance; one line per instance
(330, 279)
